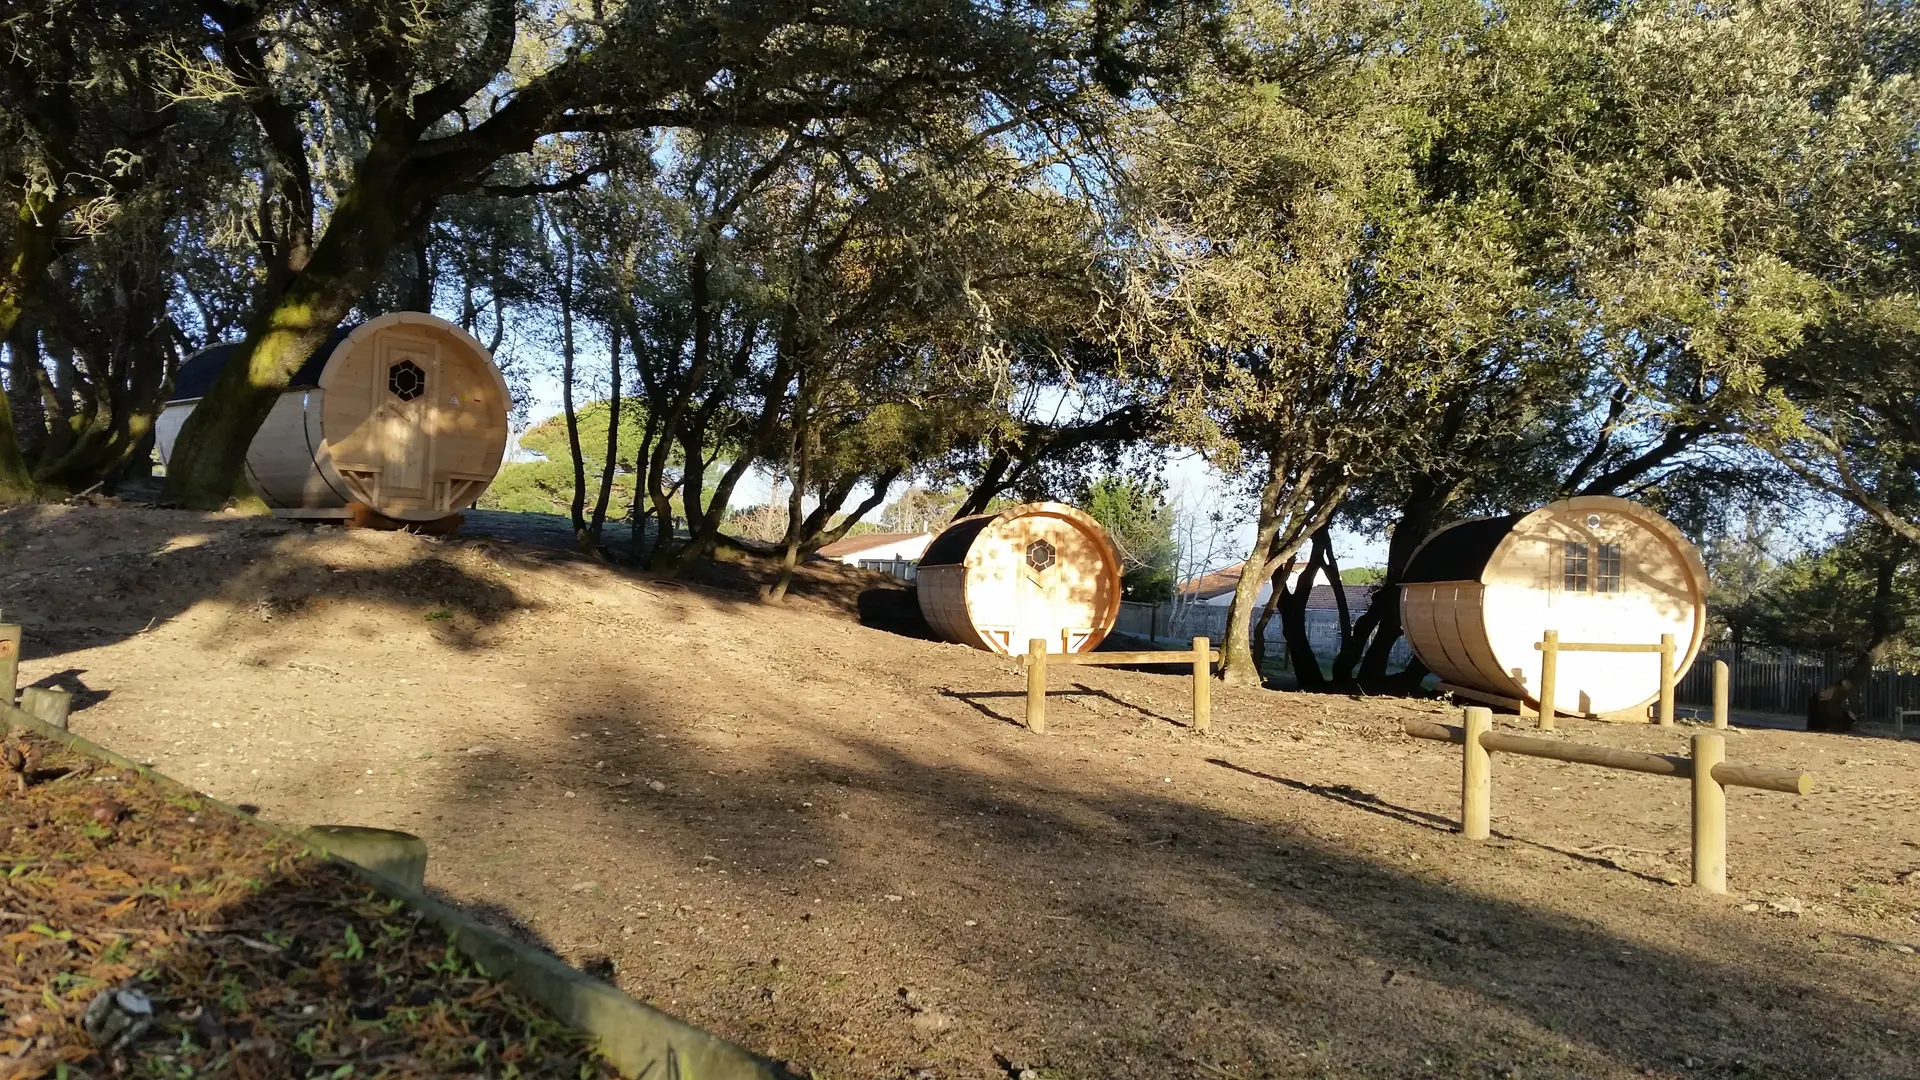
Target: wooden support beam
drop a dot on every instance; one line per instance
(1720, 695)
(1549, 677)
(49, 706)
(1666, 680)
(1037, 686)
(9, 662)
(1476, 776)
(1709, 814)
(1202, 685)
(1764, 777)
(1128, 659)
(1600, 646)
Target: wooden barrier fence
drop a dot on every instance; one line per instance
(41, 703)
(1202, 657)
(1550, 647)
(1707, 768)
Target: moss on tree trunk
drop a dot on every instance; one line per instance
(207, 470)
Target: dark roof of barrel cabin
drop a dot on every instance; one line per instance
(950, 547)
(197, 373)
(1460, 552)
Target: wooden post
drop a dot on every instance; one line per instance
(1202, 685)
(1709, 814)
(1549, 676)
(1666, 680)
(1720, 695)
(1037, 686)
(1476, 777)
(9, 661)
(51, 706)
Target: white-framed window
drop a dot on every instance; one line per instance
(1606, 570)
(1574, 562)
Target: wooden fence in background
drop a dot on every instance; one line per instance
(1781, 682)
(1159, 622)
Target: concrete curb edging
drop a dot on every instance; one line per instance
(636, 1038)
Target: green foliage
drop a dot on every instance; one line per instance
(1363, 575)
(545, 485)
(1137, 517)
(1823, 600)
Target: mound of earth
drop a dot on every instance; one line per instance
(837, 844)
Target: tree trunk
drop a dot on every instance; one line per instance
(20, 276)
(989, 485)
(16, 480)
(1828, 710)
(1237, 664)
(27, 407)
(1325, 536)
(640, 511)
(1370, 645)
(796, 507)
(1293, 617)
(207, 468)
(599, 520)
(568, 354)
(820, 537)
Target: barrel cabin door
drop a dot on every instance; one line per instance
(400, 427)
(1053, 601)
(1589, 605)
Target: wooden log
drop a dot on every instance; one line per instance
(9, 662)
(1124, 659)
(1763, 777)
(1720, 695)
(1584, 754)
(50, 706)
(1202, 685)
(1476, 775)
(1549, 676)
(1601, 646)
(1666, 680)
(395, 856)
(1037, 686)
(1709, 814)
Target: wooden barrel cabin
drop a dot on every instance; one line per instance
(1479, 595)
(403, 416)
(1040, 570)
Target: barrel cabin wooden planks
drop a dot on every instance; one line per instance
(1039, 570)
(1480, 596)
(404, 416)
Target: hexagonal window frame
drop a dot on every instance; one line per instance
(1041, 555)
(406, 380)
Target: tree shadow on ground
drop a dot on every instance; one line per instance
(1132, 933)
(1348, 795)
(120, 583)
(976, 700)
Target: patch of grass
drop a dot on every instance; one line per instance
(1868, 901)
(439, 613)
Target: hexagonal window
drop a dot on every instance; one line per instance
(1039, 554)
(406, 380)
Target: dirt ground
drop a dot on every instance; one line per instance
(833, 843)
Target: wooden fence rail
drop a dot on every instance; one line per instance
(1202, 658)
(1707, 768)
(1550, 647)
(1782, 681)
